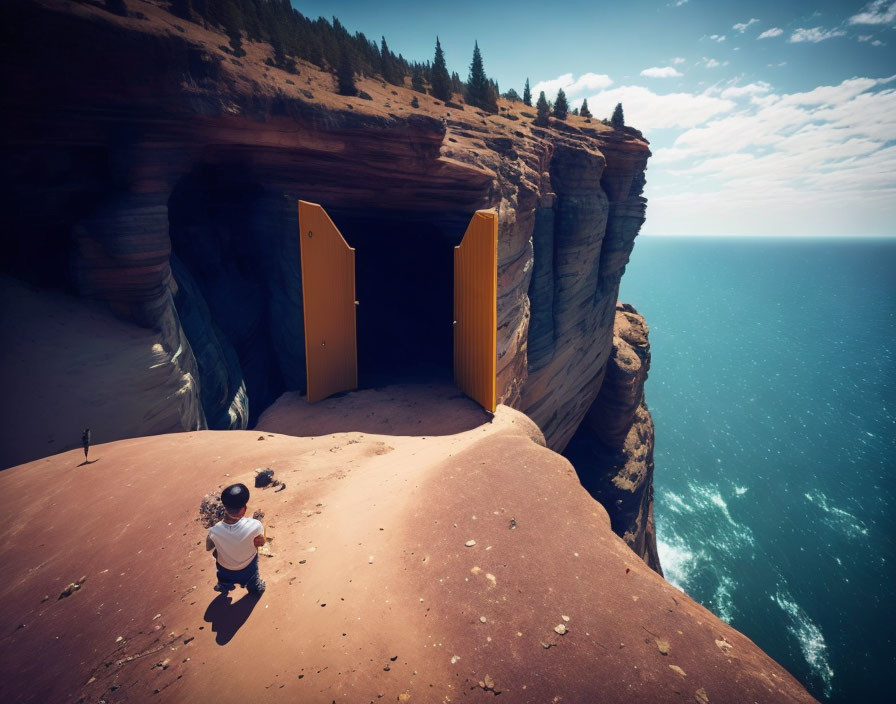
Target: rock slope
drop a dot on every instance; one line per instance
(450, 566)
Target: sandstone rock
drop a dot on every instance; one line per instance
(613, 448)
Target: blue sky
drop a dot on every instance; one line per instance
(763, 117)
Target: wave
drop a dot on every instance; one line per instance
(837, 518)
(809, 637)
(678, 562)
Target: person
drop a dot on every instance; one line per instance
(235, 541)
(85, 441)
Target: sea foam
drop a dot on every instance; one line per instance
(809, 637)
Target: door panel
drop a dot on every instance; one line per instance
(328, 299)
(476, 309)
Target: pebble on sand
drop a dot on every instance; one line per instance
(470, 543)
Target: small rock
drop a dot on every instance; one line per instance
(470, 543)
(258, 514)
(264, 477)
(700, 696)
(512, 523)
(482, 619)
(560, 628)
(677, 669)
(488, 684)
(454, 658)
(119, 639)
(261, 437)
(662, 646)
(565, 618)
(404, 697)
(394, 658)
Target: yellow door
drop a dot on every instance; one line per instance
(328, 299)
(476, 309)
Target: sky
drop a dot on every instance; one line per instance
(764, 118)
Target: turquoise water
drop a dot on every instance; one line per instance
(773, 390)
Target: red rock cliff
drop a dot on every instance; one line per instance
(148, 170)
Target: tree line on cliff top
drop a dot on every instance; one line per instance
(331, 47)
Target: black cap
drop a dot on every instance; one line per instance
(235, 496)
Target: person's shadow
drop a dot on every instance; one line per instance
(226, 617)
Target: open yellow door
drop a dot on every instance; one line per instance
(328, 299)
(476, 309)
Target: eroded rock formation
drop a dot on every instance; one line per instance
(147, 169)
(612, 449)
(165, 173)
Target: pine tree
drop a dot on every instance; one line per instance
(477, 82)
(388, 66)
(512, 95)
(543, 111)
(441, 81)
(618, 120)
(527, 95)
(346, 72)
(457, 85)
(417, 79)
(584, 111)
(561, 107)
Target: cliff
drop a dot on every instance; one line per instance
(613, 448)
(392, 575)
(153, 172)
(150, 181)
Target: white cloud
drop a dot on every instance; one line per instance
(749, 89)
(878, 42)
(711, 63)
(717, 37)
(769, 33)
(744, 26)
(647, 110)
(815, 162)
(678, 60)
(573, 88)
(679, 3)
(865, 37)
(877, 12)
(814, 35)
(661, 72)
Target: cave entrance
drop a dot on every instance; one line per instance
(398, 299)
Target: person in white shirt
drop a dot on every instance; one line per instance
(235, 541)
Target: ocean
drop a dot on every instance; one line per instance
(773, 392)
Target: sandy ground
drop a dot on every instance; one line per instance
(373, 591)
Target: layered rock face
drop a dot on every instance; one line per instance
(186, 220)
(612, 450)
(147, 169)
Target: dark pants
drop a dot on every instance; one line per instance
(247, 577)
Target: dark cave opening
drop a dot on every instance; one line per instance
(404, 280)
(236, 260)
